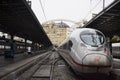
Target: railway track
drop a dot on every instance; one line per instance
(49, 66)
(32, 69)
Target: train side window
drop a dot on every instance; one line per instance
(70, 44)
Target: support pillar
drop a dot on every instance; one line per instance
(110, 44)
(10, 53)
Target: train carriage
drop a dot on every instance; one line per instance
(86, 51)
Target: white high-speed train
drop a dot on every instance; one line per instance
(86, 51)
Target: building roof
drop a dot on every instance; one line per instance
(108, 20)
(62, 25)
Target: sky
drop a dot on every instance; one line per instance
(74, 10)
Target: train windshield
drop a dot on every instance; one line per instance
(92, 38)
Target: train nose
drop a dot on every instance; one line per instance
(96, 60)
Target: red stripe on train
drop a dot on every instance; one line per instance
(78, 64)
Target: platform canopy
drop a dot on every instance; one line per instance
(107, 21)
(17, 18)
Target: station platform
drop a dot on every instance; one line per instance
(17, 58)
(9, 64)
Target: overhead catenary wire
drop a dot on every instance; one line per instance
(92, 9)
(43, 10)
